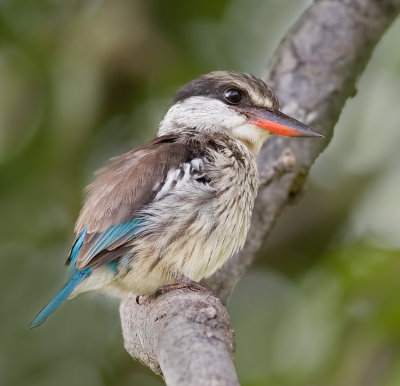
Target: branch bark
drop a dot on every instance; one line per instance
(187, 336)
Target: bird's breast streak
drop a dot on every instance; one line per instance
(196, 229)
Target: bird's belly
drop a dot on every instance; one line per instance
(195, 252)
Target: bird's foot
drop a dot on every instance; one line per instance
(183, 282)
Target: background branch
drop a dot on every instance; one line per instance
(314, 72)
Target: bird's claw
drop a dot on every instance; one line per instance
(186, 283)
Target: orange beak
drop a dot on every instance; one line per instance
(278, 123)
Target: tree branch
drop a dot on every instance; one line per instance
(314, 71)
(185, 333)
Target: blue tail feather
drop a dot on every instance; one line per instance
(60, 297)
(119, 233)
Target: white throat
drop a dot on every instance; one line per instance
(252, 136)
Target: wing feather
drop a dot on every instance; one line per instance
(109, 218)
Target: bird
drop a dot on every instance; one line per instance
(171, 212)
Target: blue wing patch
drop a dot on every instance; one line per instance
(121, 233)
(74, 254)
(77, 246)
(103, 247)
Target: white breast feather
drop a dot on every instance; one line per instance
(197, 228)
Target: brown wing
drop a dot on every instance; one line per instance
(121, 189)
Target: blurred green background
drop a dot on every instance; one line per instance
(81, 81)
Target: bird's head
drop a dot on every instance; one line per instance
(237, 104)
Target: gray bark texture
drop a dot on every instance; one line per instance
(186, 336)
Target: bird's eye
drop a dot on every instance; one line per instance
(233, 96)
